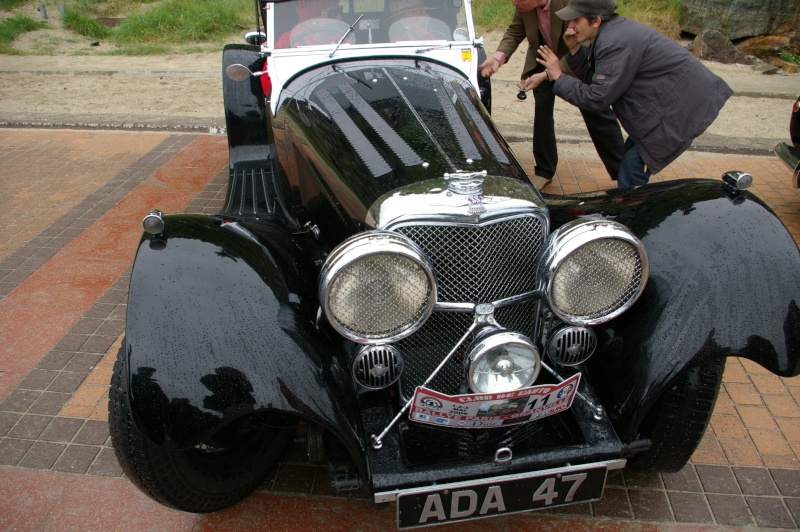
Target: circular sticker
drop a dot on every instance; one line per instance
(430, 402)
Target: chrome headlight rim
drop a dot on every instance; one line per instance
(490, 339)
(359, 247)
(569, 238)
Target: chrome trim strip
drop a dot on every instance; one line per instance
(446, 220)
(430, 202)
(518, 299)
(454, 307)
(391, 496)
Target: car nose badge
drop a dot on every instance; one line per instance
(468, 184)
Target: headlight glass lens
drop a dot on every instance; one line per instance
(593, 271)
(502, 362)
(597, 278)
(379, 294)
(376, 287)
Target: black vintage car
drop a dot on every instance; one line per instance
(385, 280)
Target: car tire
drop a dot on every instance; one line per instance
(202, 479)
(677, 422)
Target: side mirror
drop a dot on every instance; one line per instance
(255, 38)
(238, 72)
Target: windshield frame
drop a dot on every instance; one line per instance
(284, 64)
(459, 15)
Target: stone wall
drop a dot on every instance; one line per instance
(740, 18)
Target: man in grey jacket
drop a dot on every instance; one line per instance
(536, 22)
(662, 95)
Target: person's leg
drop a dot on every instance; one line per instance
(607, 138)
(545, 152)
(633, 171)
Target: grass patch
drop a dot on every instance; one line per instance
(107, 7)
(492, 14)
(9, 4)
(182, 21)
(13, 27)
(790, 57)
(85, 25)
(662, 15)
(157, 26)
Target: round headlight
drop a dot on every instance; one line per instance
(502, 361)
(377, 287)
(593, 271)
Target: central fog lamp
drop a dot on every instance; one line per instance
(502, 361)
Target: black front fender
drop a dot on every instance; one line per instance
(220, 324)
(724, 281)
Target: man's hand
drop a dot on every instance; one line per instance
(550, 62)
(489, 67)
(532, 82)
(571, 41)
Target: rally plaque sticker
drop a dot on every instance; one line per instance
(493, 409)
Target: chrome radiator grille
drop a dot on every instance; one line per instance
(474, 264)
(480, 264)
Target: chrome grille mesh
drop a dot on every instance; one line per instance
(425, 349)
(479, 264)
(474, 264)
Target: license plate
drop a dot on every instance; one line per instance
(502, 495)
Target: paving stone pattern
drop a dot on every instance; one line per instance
(55, 419)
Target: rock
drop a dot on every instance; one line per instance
(786, 66)
(740, 18)
(766, 68)
(714, 46)
(791, 68)
(769, 48)
(766, 46)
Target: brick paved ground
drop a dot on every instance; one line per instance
(70, 207)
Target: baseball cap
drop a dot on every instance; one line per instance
(579, 8)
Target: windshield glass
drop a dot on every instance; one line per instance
(326, 22)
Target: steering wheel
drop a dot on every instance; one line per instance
(318, 31)
(419, 28)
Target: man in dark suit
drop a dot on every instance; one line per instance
(536, 21)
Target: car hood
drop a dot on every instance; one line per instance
(365, 129)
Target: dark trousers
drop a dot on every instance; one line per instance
(603, 129)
